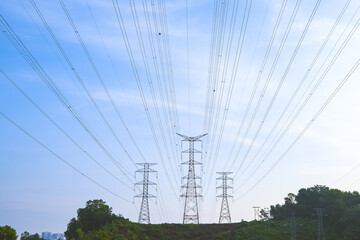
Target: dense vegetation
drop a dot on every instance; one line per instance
(95, 215)
(27, 236)
(342, 221)
(342, 209)
(7, 233)
(96, 221)
(122, 229)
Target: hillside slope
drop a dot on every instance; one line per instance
(271, 230)
(341, 221)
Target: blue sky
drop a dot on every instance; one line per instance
(155, 99)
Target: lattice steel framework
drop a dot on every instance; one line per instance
(320, 214)
(191, 212)
(144, 215)
(293, 227)
(225, 210)
(256, 213)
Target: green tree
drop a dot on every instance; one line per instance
(342, 210)
(72, 227)
(26, 236)
(7, 233)
(94, 216)
(350, 221)
(281, 212)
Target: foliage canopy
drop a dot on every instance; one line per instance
(95, 215)
(97, 222)
(7, 233)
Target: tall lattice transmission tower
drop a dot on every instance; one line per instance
(191, 212)
(144, 215)
(293, 227)
(320, 214)
(225, 210)
(256, 213)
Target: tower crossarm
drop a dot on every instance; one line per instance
(145, 183)
(187, 138)
(225, 195)
(144, 170)
(227, 178)
(191, 151)
(194, 162)
(187, 176)
(145, 195)
(225, 186)
(197, 186)
(191, 195)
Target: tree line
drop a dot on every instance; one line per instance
(341, 220)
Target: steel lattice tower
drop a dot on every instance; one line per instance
(225, 210)
(144, 215)
(293, 227)
(256, 213)
(191, 212)
(321, 232)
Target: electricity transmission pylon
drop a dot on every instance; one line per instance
(256, 213)
(320, 214)
(225, 210)
(293, 227)
(191, 212)
(144, 215)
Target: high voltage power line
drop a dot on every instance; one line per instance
(59, 128)
(232, 80)
(299, 86)
(60, 158)
(22, 49)
(263, 119)
(283, 131)
(149, 55)
(137, 78)
(295, 93)
(337, 89)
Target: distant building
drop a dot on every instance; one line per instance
(52, 236)
(46, 235)
(56, 236)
